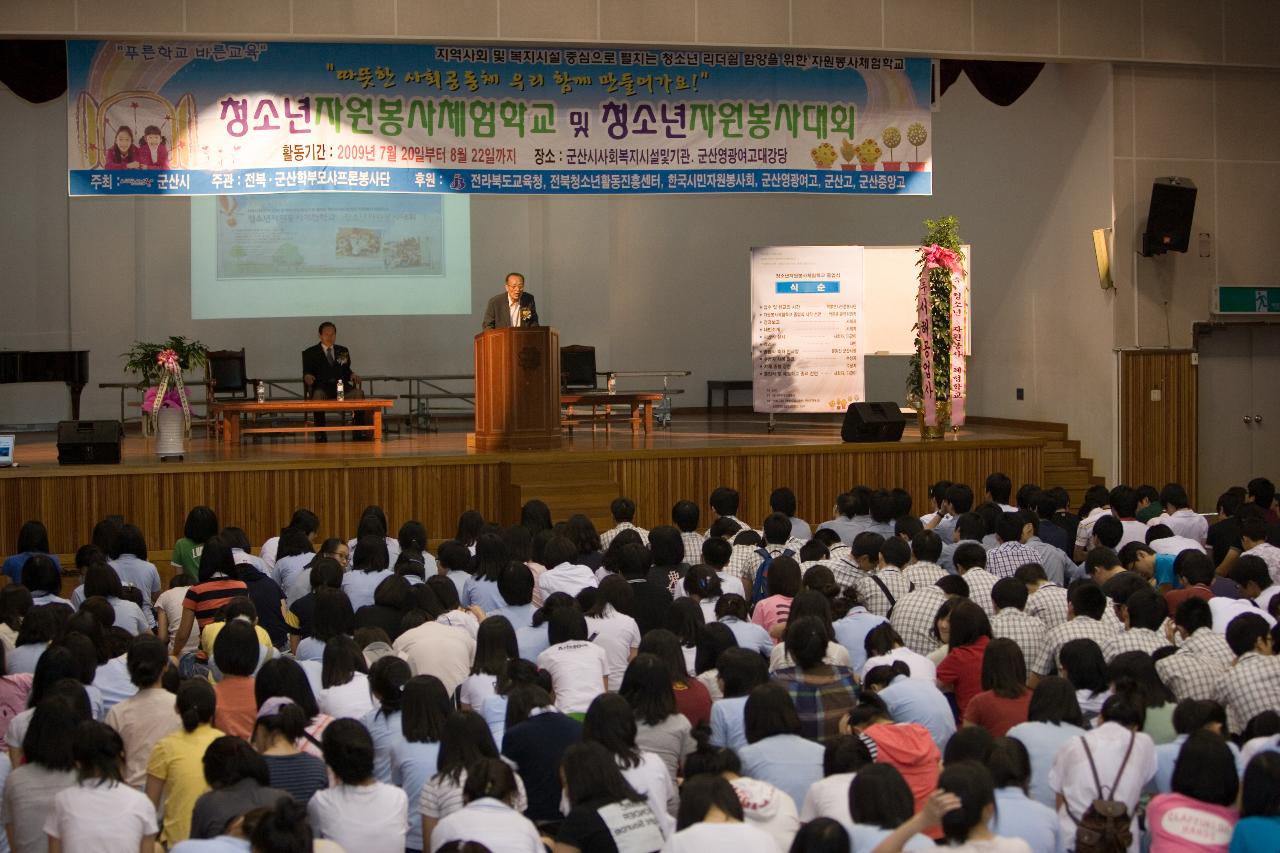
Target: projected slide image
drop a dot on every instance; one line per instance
(317, 235)
(330, 255)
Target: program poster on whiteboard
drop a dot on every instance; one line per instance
(806, 340)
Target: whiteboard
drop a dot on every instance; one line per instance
(891, 280)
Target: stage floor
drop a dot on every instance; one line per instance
(37, 453)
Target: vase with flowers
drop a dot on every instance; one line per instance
(165, 406)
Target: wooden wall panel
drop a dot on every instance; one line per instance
(258, 500)
(817, 475)
(1158, 437)
(435, 490)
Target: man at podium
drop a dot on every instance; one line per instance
(515, 308)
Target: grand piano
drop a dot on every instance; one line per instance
(69, 366)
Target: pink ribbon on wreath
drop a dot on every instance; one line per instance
(939, 257)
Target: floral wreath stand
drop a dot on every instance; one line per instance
(170, 413)
(937, 414)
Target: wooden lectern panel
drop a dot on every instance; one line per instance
(518, 389)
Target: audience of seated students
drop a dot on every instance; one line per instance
(819, 700)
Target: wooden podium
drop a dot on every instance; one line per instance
(518, 389)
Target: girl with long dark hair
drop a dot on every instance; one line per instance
(611, 626)
(1005, 697)
(661, 728)
(601, 805)
(495, 647)
(481, 588)
(425, 707)
(464, 741)
(344, 680)
(100, 812)
(610, 723)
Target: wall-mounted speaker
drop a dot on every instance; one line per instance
(1173, 203)
(873, 422)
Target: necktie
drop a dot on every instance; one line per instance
(328, 353)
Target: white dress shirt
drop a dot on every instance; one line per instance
(490, 822)
(566, 577)
(1184, 522)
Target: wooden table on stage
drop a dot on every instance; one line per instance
(232, 411)
(641, 403)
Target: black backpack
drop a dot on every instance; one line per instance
(1106, 826)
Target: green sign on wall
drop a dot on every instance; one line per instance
(1247, 300)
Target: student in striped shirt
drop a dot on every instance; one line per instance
(218, 584)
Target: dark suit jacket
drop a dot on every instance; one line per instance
(327, 376)
(497, 315)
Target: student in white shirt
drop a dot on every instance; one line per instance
(579, 669)
(489, 816)
(884, 646)
(563, 574)
(453, 560)
(1178, 515)
(610, 627)
(495, 648)
(344, 680)
(711, 821)
(100, 813)
(829, 797)
(1119, 750)
(305, 520)
(611, 723)
(359, 812)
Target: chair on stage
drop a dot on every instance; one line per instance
(578, 375)
(226, 379)
(578, 368)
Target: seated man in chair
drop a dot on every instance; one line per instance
(322, 366)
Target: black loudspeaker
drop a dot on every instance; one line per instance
(1173, 203)
(873, 422)
(89, 442)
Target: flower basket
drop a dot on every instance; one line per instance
(162, 366)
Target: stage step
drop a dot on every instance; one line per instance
(566, 487)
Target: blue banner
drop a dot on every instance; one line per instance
(188, 118)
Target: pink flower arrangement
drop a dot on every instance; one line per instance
(168, 359)
(172, 399)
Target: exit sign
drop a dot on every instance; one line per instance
(1246, 300)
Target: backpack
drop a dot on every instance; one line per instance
(760, 586)
(1105, 827)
